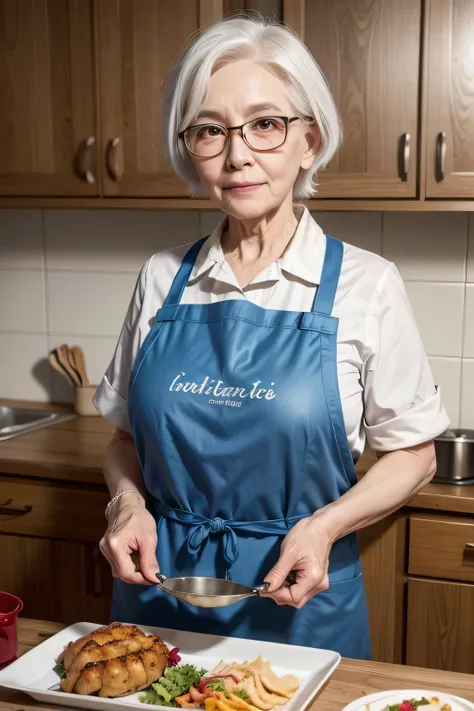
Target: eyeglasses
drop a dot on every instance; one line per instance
(208, 140)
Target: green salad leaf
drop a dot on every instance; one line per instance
(60, 671)
(242, 694)
(217, 686)
(174, 682)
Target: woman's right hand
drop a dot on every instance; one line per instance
(131, 531)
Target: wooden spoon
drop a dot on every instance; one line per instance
(70, 356)
(54, 361)
(61, 354)
(80, 362)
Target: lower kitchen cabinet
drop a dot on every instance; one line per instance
(49, 553)
(419, 577)
(63, 581)
(382, 550)
(440, 625)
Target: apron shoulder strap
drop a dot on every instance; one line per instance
(183, 274)
(326, 291)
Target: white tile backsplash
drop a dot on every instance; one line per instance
(21, 239)
(362, 229)
(22, 304)
(88, 303)
(209, 220)
(470, 255)
(447, 375)
(468, 350)
(438, 310)
(113, 240)
(467, 396)
(427, 246)
(89, 262)
(25, 372)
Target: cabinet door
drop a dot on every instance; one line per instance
(382, 551)
(267, 8)
(57, 580)
(450, 99)
(440, 625)
(48, 112)
(139, 41)
(369, 52)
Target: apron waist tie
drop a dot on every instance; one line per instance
(200, 528)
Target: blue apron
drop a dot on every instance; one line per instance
(237, 419)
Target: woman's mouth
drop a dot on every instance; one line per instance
(238, 188)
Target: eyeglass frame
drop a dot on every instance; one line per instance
(286, 120)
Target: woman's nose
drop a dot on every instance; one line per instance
(238, 152)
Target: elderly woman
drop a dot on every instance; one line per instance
(254, 365)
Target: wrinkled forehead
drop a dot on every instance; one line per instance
(238, 90)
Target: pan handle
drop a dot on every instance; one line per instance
(161, 578)
(290, 580)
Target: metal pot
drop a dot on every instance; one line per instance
(455, 457)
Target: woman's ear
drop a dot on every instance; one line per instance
(313, 144)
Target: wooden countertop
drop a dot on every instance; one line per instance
(351, 680)
(72, 451)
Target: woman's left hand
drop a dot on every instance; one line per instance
(305, 551)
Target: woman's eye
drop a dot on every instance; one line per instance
(209, 132)
(265, 124)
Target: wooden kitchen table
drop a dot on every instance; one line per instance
(351, 680)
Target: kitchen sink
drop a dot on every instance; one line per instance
(15, 421)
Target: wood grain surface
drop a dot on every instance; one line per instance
(351, 680)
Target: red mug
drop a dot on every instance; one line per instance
(10, 607)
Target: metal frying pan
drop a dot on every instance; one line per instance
(212, 592)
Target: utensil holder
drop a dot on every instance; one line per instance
(83, 404)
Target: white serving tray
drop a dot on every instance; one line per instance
(33, 672)
(378, 701)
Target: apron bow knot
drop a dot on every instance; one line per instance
(198, 535)
(217, 526)
(200, 528)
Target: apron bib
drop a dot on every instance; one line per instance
(237, 420)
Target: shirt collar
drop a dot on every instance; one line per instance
(210, 254)
(303, 258)
(305, 255)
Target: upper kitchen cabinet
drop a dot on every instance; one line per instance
(267, 8)
(449, 133)
(48, 118)
(138, 41)
(369, 52)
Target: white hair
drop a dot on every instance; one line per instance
(276, 47)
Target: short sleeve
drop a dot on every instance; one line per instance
(111, 396)
(402, 404)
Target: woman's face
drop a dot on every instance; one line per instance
(243, 182)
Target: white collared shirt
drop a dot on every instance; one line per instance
(388, 395)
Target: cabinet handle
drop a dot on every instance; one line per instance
(405, 145)
(115, 159)
(9, 508)
(86, 160)
(441, 156)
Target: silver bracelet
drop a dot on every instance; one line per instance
(117, 497)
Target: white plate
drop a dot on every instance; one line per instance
(381, 699)
(33, 672)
